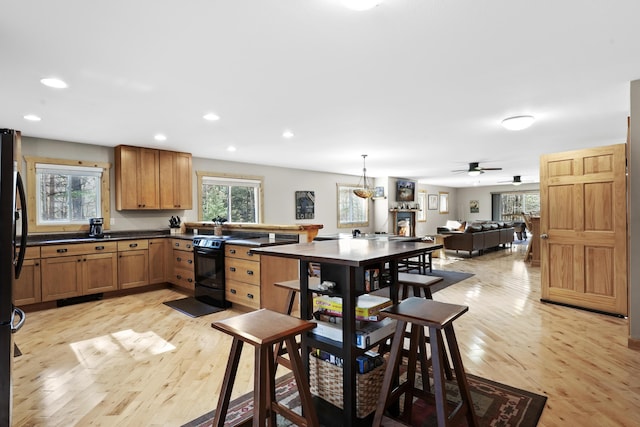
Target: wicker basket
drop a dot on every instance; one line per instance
(325, 381)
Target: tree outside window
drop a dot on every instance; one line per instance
(236, 199)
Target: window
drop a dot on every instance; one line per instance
(443, 206)
(514, 204)
(236, 198)
(352, 210)
(67, 193)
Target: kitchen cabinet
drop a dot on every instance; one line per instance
(242, 276)
(137, 172)
(158, 266)
(133, 263)
(183, 267)
(26, 289)
(78, 269)
(152, 179)
(175, 180)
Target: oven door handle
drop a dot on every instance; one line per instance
(206, 252)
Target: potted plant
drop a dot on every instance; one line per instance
(217, 225)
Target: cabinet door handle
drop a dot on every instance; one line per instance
(250, 272)
(250, 296)
(99, 248)
(189, 261)
(79, 260)
(232, 251)
(133, 245)
(249, 253)
(178, 276)
(233, 291)
(178, 259)
(189, 280)
(188, 246)
(61, 251)
(37, 264)
(232, 269)
(177, 245)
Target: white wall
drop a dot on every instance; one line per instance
(280, 185)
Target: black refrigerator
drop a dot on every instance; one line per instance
(12, 250)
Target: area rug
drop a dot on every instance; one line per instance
(495, 405)
(192, 307)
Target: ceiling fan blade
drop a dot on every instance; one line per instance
(491, 169)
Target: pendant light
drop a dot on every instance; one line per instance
(364, 191)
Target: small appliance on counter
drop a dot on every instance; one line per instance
(95, 228)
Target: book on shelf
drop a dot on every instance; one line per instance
(336, 316)
(364, 363)
(367, 333)
(366, 305)
(371, 279)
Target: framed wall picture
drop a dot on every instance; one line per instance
(433, 202)
(474, 206)
(305, 204)
(378, 193)
(405, 190)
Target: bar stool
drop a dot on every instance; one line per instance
(263, 329)
(293, 287)
(437, 316)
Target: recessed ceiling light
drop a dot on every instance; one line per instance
(32, 117)
(231, 148)
(160, 137)
(518, 122)
(54, 82)
(287, 134)
(212, 117)
(361, 4)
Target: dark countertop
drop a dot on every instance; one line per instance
(68, 238)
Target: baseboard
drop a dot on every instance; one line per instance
(634, 344)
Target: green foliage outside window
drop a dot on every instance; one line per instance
(237, 203)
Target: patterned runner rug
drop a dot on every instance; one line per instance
(495, 405)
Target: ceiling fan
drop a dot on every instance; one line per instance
(475, 169)
(517, 180)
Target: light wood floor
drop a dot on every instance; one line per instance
(133, 361)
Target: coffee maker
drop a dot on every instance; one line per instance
(95, 227)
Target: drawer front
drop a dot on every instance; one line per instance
(243, 294)
(133, 245)
(76, 249)
(242, 270)
(33, 252)
(240, 251)
(183, 278)
(183, 259)
(181, 244)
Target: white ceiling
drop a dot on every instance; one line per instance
(421, 86)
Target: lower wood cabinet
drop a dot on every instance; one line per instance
(183, 266)
(78, 269)
(133, 263)
(27, 289)
(158, 260)
(242, 276)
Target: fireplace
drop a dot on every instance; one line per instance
(404, 224)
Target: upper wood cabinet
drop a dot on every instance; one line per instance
(175, 180)
(152, 179)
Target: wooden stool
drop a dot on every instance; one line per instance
(437, 316)
(293, 286)
(417, 282)
(263, 329)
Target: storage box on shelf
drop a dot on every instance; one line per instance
(325, 381)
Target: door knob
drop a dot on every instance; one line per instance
(544, 236)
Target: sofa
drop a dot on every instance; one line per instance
(477, 236)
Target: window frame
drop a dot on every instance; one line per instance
(105, 193)
(201, 177)
(350, 188)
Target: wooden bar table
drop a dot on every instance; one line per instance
(344, 262)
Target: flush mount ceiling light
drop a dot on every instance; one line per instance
(361, 4)
(518, 122)
(32, 118)
(364, 191)
(160, 137)
(287, 134)
(212, 117)
(54, 82)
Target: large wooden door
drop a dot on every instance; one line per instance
(583, 228)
